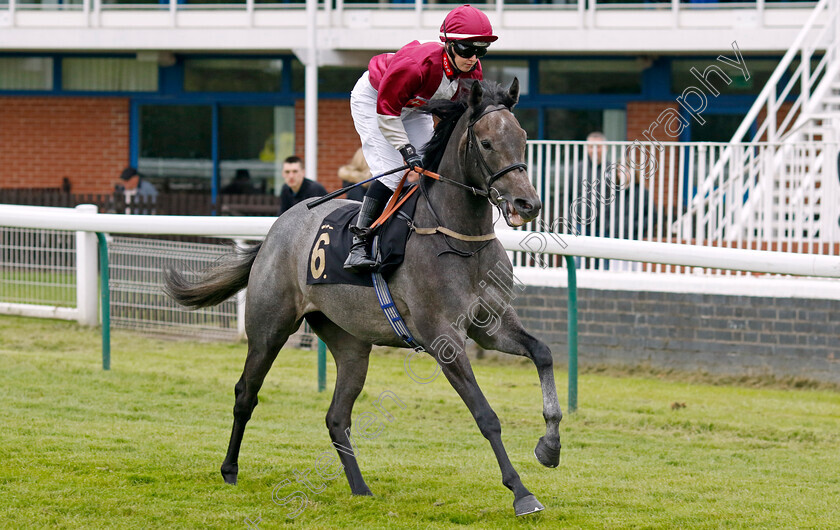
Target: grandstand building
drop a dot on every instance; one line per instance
(191, 91)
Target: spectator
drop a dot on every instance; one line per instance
(588, 197)
(590, 174)
(240, 185)
(598, 194)
(297, 188)
(356, 171)
(137, 190)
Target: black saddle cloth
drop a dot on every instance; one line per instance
(334, 239)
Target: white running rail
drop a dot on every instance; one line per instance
(86, 222)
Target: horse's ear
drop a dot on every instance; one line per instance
(513, 93)
(476, 94)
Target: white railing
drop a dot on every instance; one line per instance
(38, 270)
(745, 205)
(820, 33)
(535, 244)
(774, 118)
(137, 302)
(580, 12)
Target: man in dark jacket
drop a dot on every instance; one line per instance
(297, 187)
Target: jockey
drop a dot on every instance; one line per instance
(384, 100)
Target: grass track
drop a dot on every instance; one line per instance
(140, 446)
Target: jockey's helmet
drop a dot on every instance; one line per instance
(466, 23)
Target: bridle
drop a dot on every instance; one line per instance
(492, 194)
(472, 142)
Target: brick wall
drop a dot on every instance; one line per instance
(43, 139)
(738, 335)
(337, 138)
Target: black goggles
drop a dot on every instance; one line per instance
(467, 49)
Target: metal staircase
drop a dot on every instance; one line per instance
(777, 181)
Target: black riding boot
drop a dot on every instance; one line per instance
(358, 260)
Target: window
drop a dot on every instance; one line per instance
(760, 71)
(255, 140)
(613, 76)
(562, 124)
(528, 120)
(718, 127)
(176, 146)
(26, 73)
(109, 74)
(232, 75)
(504, 71)
(331, 79)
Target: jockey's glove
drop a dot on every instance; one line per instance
(412, 159)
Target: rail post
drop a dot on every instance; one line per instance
(573, 333)
(322, 366)
(105, 294)
(86, 276)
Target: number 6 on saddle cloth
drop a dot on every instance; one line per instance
(333, 240)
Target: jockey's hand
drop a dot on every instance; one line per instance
(413, 177)
(412, 159)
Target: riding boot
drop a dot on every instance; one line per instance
(358, 260)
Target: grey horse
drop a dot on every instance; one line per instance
(478, 147)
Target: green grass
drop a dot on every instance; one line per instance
(140, 446)
(43, 287)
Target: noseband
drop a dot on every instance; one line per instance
(472, 142)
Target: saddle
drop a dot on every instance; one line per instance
(333, 241)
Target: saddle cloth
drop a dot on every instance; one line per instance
(334, 239)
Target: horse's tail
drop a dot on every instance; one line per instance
(215, 284)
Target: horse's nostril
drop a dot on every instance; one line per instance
(526, 207)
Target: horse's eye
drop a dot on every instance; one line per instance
(486, 144)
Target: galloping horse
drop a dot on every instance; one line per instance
(482, 148)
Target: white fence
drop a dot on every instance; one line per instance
(667, 195)
(136, 264)
(39, 268)
(137, 302)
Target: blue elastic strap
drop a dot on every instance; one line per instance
(386, 303)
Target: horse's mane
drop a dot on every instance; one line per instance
(450, 111)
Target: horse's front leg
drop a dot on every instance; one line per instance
(458, 371)
(506, 334)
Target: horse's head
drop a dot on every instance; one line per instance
(493, 154)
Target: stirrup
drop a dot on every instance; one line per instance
(361, 232)
(358, 260)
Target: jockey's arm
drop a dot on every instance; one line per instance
(393, 131)
(399, 85)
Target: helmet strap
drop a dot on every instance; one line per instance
(450, 54)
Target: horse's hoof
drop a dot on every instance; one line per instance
(364, 493)
(527, 505)
(229, 473)
(546, 455)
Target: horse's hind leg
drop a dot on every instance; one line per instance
(351, 359)
(262, 350)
